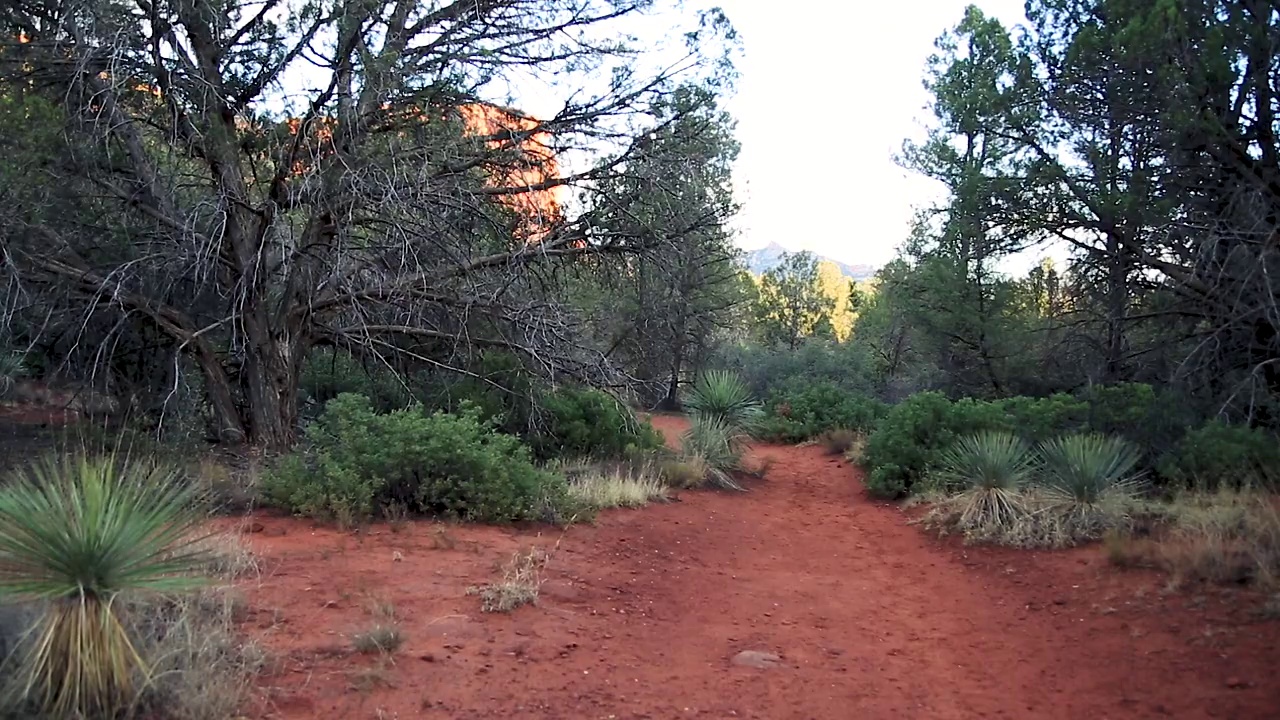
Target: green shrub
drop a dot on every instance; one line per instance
(908, 443)
(1040, 419)
(359, 461)
(1151, 419)
(329, 373)
(848, 366)
(581, 423)
(1220, 455)
(804, 411)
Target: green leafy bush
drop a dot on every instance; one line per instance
(1220, 455)
(580, 423)
(1151, 419)
(359, 461)
(1040, 419)
(764, 369)
(908, 443)
(804, 411)
(329, 373)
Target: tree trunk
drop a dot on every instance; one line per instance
(273, 364)
(218, 389)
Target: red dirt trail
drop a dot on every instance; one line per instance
(641, 614)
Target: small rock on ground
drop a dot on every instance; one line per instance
(757, 659)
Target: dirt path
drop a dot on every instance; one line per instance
(641, 616)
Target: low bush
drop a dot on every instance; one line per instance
(1074, 489)
(1218, 454)
(358, 461)
(1151, 419)
(806, 411)
(840, 440)
(907, 445)
(1227, 536)
(1224, 536)
(576, 422)
(847, 366)
(682, 472)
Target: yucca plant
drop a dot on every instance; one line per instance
(723, 396)
(1086, 477)
(990, 470)
(12, 369)
(77, 531)
(715, 446)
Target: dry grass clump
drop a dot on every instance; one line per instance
(382, 637)
(839, 441)
(687, 472)
(717, 447)
(618, 488)
(201, 667)
(1228, 536)
(520, 584)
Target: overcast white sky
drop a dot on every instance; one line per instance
(828, 91)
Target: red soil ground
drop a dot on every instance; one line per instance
(641, 614)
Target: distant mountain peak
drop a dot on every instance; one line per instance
(769, 256)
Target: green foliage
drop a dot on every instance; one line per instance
(723, 396)
(770, 369)
(329, 373)
(791, 304)
(1152, 419)
(78, 531)
(456, 465)
(1220, 455)
(580, 423)
(908, 443)
(715, 447)
(993, 460)
(1039, 419)
(802, 411)
(990, 470)
(905, 445)
(12, 369)
(1081, 469)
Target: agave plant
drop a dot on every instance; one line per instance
(715, 446)
(723, 396)
(1084, 476)
(76, 532)
(990, 469)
